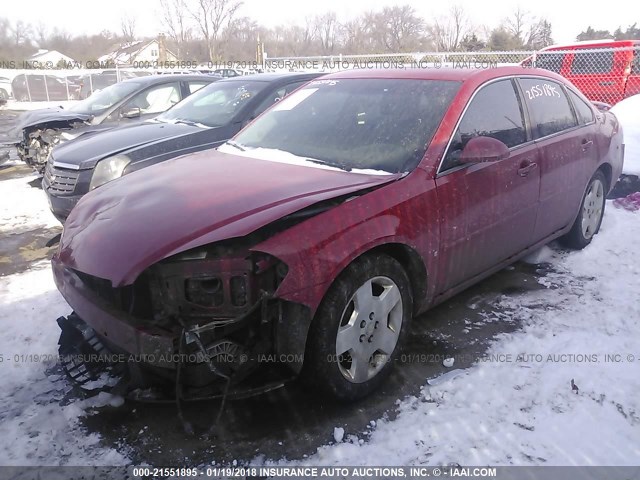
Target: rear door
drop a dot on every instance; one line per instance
(568, 153)
(488, 210)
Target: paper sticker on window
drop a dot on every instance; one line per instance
(544, 90)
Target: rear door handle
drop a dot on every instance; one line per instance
(586, 144)
(525, 167)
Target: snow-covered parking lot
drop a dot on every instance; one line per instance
(554, 378)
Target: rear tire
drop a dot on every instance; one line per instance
(359, 328)
(587, 223)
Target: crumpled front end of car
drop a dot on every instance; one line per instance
(206, 319)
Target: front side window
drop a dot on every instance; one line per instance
(156, 99)
(493, 112)
(195, 86)
(548, 106)
(351, 124)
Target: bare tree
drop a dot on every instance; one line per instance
(176, 22)
(41, 34)
(21, 34)
(212, 17)
(327, 30)
(402, 29)
(128, 28)
(449, 31)
(516, 24)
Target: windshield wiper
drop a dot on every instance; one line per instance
(330, 164)
(236, 145)
(186, 122)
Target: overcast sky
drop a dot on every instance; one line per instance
(567, 18)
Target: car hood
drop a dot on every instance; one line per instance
(87, 150)
(125, 226)
(43, 116)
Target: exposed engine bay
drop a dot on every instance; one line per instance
(38, 142)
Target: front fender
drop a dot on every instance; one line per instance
(320, 248)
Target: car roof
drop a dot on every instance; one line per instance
(448, 73)
(152, 79)
(474, 77)
(272, 77)
(593, 43)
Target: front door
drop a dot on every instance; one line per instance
(488, 210)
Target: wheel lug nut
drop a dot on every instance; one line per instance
(361, 338)
(370, 339)
(363, 324)
(371, 315)
(376, 324)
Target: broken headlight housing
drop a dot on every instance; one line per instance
(108, 169)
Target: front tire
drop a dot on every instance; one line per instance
(587, 223)
(359, 329)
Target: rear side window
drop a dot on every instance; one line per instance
(494, 112)
(550, 61)
(596, 61)
(583, 110)
(635, 65)
(548, 105)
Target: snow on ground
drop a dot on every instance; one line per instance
(503, 410)
(24, 207)
(628, 112)
(37, 425)
(515, 411)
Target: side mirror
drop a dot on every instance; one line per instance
(484, 149)
(131, 113)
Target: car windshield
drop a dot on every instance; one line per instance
(215, 105)
(104, 99)
(353, 124)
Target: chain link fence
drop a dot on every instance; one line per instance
(602, 74)
(60, 85)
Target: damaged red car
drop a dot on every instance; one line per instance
(304, 246)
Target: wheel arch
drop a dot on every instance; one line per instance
(412, 263)
(607, 171)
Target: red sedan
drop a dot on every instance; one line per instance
(307, 244)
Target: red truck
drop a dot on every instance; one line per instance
(604, 70)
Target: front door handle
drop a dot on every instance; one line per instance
(586, 144)
(525, 167)
(606, 84)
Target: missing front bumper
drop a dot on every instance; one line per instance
(94, 365)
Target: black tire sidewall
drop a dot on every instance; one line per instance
(321, 369)
(575, 239)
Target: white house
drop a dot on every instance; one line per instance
(47, 58)
(140, 51)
